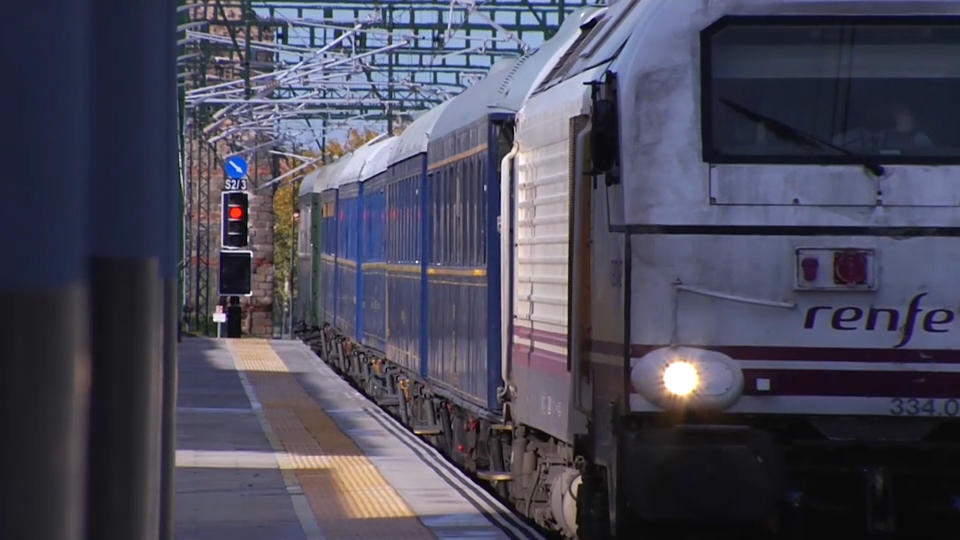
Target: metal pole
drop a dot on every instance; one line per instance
(234, 318)
(197, 149)
(169, 276)
(183, 171)
(391, 61)
(247, 14)
(44, 389)
(128, 171)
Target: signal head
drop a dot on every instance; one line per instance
(235, 219)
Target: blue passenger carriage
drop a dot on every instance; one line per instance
(373, 265)
(326, 185)
(305, 309)
(349, 240)
(345, 273)
(406, 244)
(473, 134)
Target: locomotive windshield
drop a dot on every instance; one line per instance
(786, 90)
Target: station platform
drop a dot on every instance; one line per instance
(273, 445)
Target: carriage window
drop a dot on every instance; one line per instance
(788, 92)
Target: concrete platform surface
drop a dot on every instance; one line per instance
(272, 445)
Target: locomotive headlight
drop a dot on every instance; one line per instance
(680, 378)
(685, 377)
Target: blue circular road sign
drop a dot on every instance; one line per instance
(235, 167)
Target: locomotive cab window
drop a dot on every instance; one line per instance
(831, 90)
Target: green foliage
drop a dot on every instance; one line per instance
(355, 139)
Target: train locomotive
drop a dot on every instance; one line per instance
(682, 270)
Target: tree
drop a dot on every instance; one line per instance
(355, 139)
(286, 208)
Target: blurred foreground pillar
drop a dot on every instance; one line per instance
(128, 172)
(44, 386)
(169, 276)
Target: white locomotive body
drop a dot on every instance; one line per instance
(754, 268)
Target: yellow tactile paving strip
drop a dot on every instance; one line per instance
(347, 494)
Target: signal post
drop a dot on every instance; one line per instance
(235, 269)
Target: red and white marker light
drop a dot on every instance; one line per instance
(835, 269)
(849, 267)
(810, 266)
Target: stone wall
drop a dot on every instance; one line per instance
(258, 309)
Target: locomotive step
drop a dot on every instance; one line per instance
(427, 430)
(494, 476)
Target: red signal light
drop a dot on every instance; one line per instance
(235, 212)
